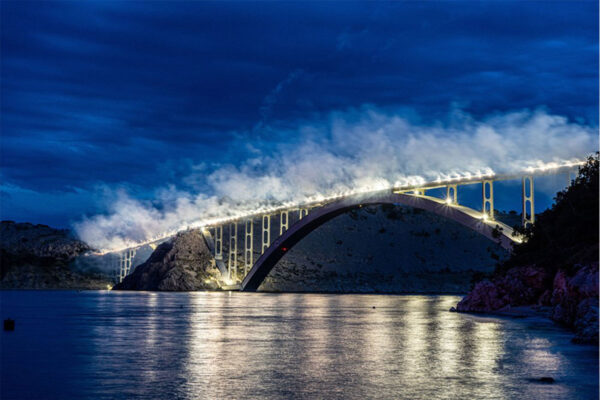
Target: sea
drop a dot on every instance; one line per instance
(233, 345)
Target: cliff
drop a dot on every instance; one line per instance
(40, 257)
(557, 267)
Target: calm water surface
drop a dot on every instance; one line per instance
(110, 345)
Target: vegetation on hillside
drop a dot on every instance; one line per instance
(567, 233)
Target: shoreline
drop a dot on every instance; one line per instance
(518, 312)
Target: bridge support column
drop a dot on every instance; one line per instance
(451, 194)
(528, 205)
(121, 268)
(283, 222)
(487, 190)
(302, 212)
(130, 255)
(248, 246)
(266, 233)
(125, 263)
(232, 267)
(219, 242)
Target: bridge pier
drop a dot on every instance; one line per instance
(266, 233)
(125, 263)
(218, 242)
(451, 194)
(487, 189)
(302, 212)
(121, 268)
(248, 246)
(232, 267)
(283, 222)
(528, 216)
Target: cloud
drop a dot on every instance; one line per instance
(88, 84)
(364, 148)
(98, 93)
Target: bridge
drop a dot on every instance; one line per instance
(297, 221)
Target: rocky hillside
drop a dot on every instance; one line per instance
(181, 264)
(40, 257)
(557, 267)
(386, 249)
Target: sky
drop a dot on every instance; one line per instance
(106, 101)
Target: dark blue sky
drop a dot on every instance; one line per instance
(133, 93)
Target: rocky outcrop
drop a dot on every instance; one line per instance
(42, 241)
(184, 263)
(520, 286)
(572, 295)
(41, 257)
(486, 296)
(575, 301)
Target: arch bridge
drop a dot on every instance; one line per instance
(273, 244)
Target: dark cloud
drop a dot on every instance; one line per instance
(105, 92)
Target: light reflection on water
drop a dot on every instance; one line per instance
(107, 345)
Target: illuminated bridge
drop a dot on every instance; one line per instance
(279, 229)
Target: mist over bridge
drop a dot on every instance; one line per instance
(258, 240)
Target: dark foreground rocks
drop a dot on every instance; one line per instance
(184, 263)
(41, 257)
(575, 301)
(520, 286)
(572, 295)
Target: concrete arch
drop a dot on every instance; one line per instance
(463, 215)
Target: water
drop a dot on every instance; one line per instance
(110, 345)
